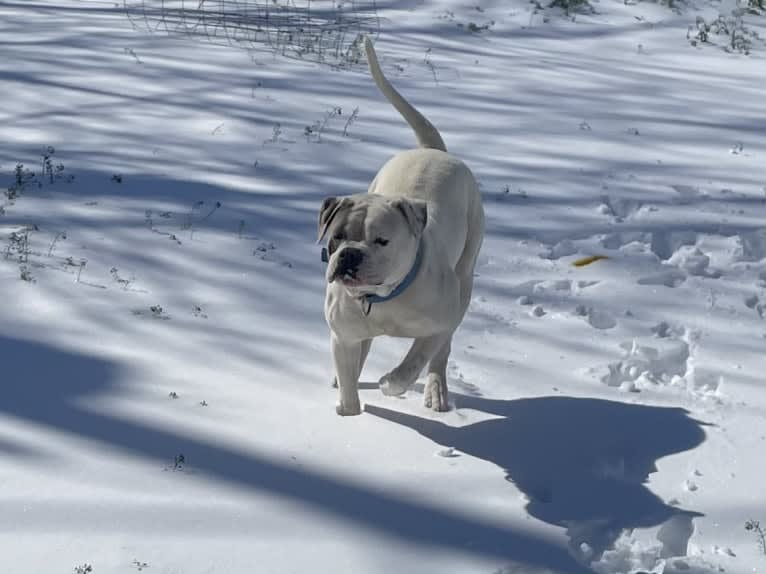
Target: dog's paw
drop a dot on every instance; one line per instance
(435, 394)
(393, 386)
(345, 410)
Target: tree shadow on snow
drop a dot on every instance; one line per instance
(55, 388)
(582, 463)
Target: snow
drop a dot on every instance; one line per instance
(166, 401)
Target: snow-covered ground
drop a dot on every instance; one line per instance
(166, 402)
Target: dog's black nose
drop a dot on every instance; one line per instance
(349, 259)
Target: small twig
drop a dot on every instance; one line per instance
(189, 216)
(430, 64)
(755, 527)
(114, 272)
(351, 119)
(276, 131)
(209, 213)
(26, 274)
(47, 165)
(133, 53)
(318, 127)
(83, 262)
(59, 235)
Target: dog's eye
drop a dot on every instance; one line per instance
(340, 236)
(381, 241)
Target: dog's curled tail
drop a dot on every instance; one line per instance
(428, 136)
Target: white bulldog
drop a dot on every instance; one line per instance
(401, 260)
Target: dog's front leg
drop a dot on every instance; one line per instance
(366, 344)
(347, 358)
(421, 352)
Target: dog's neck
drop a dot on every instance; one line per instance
(370, 298)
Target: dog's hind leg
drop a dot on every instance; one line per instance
(435, 395)
(434, 350)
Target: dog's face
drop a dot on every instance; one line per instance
(372, 240)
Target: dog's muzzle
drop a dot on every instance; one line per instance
(348, 261)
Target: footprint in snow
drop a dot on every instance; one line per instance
(664, 330)
(690, 486)
(619, 208)
(751, 246)
(559, 250)
(669, 277)
(656, 362)
(691, 260)
(686, 193)
(448, 452)
(601, 319)
(725, 551)
(685, 260)
(753, 302)
(665, 243)
(455, 376)
(596, 318)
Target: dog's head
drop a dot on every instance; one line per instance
(372, 240)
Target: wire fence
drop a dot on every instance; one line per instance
(324, 31)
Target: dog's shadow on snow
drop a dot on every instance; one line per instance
(582, 463)
(59, 389)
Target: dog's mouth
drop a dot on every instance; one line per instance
(351, 281)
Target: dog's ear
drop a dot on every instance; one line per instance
(328, 211)
(415, 211)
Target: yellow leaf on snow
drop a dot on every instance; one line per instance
(588, 260)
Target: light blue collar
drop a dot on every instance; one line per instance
(371, 298)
